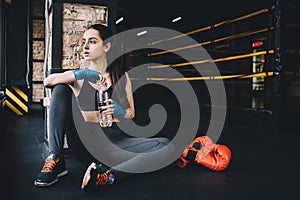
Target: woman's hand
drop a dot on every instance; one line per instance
(108, 108)
(101, 83)
(102, 80)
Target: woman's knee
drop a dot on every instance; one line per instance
(61, 89)
(163, 140)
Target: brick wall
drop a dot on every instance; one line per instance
(76, 17)
(38, 28)
(38, 49)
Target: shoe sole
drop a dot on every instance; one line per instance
(87, 175)
(43, 184)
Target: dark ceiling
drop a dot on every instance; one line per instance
(138, 13)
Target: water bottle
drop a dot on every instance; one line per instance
(105, 119)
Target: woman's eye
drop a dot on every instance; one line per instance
(93, 42)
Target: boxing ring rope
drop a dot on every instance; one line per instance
(272, 53)
(241, 76)
(231, 37)
(214, 60)
(215, 25)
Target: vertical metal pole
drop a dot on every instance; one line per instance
(2, 51)
(56, 40)
(28, 76)
(1, 43)
(277, 68)
(46, 100)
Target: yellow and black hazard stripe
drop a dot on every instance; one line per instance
(16, 100)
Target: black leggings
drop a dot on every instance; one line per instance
(61, 122)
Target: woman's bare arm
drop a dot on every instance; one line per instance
(130, 112)
(59, 78)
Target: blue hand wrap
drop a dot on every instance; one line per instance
(93, 76)
(87, 74)
(119, 111)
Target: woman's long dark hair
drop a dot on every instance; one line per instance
(116, 70)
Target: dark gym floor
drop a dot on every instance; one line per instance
(263, 166)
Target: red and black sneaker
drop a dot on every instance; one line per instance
(97, 175)
(54, 167)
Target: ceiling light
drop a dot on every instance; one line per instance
(119, 20)
(176, 19)
(141, 33)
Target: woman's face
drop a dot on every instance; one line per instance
(93, 48)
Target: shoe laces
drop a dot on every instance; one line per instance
(49, 165)
(102, 178)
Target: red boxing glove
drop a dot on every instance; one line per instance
(204, 143)
(203, 151)
(218, 158)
